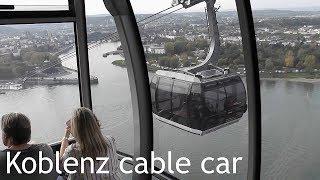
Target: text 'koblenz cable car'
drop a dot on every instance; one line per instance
(203, 98)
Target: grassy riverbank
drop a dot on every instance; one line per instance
(293, 77)
(122, 63)
(298, 79)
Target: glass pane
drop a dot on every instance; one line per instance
(201, 123)
(35, 77)
(111, 96)
(288, 47)
(179, 100)
(153, 87)
(164, 94)
(37, 5)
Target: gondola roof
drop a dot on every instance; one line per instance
(196, 78)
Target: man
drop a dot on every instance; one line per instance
(16, 135)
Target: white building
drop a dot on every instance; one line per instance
(10, 86)
(154, 49)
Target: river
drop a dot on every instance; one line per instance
(290, 112)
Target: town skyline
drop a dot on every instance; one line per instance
(96, 7)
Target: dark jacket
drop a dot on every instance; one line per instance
(33, 152)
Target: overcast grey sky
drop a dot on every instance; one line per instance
(150, 6)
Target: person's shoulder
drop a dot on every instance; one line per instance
(41, 146)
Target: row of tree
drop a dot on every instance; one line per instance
(182, 45)
(17, 66)
(303, 56)
(274, 56)
(179, 52)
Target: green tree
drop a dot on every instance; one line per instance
(310, 62)
(201, 43)
(169, 48)
(191, 46)
(269, 65)
(180, 46)
(170, 62)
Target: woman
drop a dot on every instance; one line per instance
(16, 134)
(85, 128)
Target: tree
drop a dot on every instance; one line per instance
(180, 46)
(201, 43)
(169, 48)
(300, 65)
(310, 62)
(301, 53)
(289, 59)
(174, 62)
(222, 62)
(191, 46)
(171, 62)
(269, 65)
(6, 72)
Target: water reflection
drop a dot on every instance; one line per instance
(290, 117)
(268, 84)
(289, 84)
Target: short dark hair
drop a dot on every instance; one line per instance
(16, 126)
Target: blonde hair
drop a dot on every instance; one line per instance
(86, 129)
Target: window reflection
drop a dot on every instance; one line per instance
(36, 77)
(111, 97)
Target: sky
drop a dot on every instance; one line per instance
(94, 7)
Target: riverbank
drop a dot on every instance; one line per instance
(301, 80)
(122, 63)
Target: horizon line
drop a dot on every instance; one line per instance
(233, 10)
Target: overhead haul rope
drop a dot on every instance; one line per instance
(66, 58)
(112, 36)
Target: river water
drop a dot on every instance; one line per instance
(291, 148)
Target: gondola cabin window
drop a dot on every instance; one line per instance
(235, 93)
(153, 88)
(164, 97)
(215, 95)
(180, 92)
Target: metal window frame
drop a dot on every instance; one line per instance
(32, 17)
(129, 34)
(253, 87)
(75, 15)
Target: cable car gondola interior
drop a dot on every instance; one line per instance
(198, 99)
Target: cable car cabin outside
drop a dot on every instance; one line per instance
(199, 103)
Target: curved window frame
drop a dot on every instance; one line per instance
(128, 30)
(122, 11)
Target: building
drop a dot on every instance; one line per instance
(10, 86)
(154, 49)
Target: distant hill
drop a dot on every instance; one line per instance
(307, 8)
(9, 30)
(106, 19)
(283, 13)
